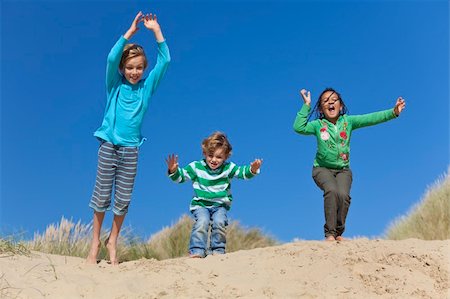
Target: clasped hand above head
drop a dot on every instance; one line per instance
(150, 22)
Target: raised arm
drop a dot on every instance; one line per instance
(151, 23)
(245, 172)
(134, 26)
(301, 124)
(162, 61)
(370, 119)
(177, 174)
(114, 56)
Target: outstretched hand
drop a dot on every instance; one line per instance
(306, 95)
(150, 22)
(172, 163)
(399, 106)
(255, 165)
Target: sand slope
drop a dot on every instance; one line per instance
(358, 268)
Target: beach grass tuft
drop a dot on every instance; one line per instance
(8, 246)
(73, 239)
(429, 219)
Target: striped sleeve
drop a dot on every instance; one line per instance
(240, 172)
(183, 174)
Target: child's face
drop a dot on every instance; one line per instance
(134, 69)
(330, 106)
(215, 159)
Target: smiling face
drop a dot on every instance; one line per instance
(215, 158)
(330, 106)
(133, 63)
(134, 69)
(216, 150)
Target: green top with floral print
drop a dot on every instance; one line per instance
(333, 140)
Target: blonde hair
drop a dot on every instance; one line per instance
(131, 51)
(215, 141)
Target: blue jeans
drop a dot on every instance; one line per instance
(199, 235)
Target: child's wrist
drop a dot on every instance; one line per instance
(254, 172)
(159, 36)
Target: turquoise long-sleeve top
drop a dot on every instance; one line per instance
(127, 103)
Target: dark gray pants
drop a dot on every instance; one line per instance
(335, 184)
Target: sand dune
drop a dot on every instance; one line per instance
(358, 268)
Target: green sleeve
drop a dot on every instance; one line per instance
(370, 119)
(301, 124)
(176, 176)
(241, 172)
(183, 174)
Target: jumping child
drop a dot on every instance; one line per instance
(211, 178)
(331, 169)
(128, 96)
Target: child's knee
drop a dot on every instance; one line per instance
(342, 195)
(332, 191)
(221, 223)
(202, 224)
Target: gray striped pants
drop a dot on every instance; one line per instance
(117, 166)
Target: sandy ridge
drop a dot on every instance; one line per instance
(358, 268)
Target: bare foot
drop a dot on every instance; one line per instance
(340, 238)
(195, 256)
(112, 252)
(92, 256)
(330, 238)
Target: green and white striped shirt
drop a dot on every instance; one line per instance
(212, 188)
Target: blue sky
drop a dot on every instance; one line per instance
(237, 66)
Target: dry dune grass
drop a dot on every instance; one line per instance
(174, 241)
(8, 246)
(73, 239)
(429, 219)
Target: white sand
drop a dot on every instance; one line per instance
(307, 269)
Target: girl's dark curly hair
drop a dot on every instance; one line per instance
(318, 106)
